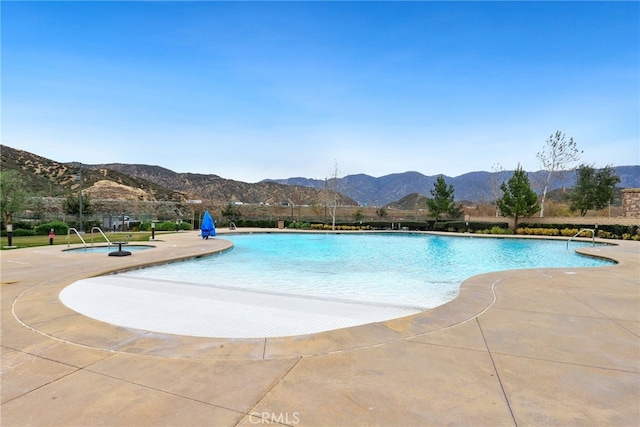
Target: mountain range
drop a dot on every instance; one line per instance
(472, 186)
(148, 182)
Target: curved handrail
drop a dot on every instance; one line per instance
(76, 231)
(103, 235)
(593, 235)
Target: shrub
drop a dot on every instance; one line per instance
(299, 225)
(20, 228)
(172, 226)
(23, 232)
(258, 223)
(607, 235)
(136, 226)
(538, 231)
(569, 232)
(166, 226)
(142, 226)
(23, 225)
(605, 231)
(59, 227)
(498, 230)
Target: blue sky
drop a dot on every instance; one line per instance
(255, 90)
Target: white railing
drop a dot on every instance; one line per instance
(103, 235)
(593, 236)
(78, 233)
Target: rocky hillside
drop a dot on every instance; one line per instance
(47, 177)
(220, 190)
(411, 202)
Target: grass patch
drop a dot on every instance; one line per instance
(96, 238)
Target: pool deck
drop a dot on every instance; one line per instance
(527, 347)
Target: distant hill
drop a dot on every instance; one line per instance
(410, 202)
(472, 186)
(154, 183)
(47, 177)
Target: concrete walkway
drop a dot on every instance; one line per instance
(530, 347)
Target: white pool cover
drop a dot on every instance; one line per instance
(206, 311)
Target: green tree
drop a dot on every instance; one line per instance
(231, 211)
(72, 205)
(593, 190)
(518, 199)
(382, 212)
(443, 200)
(358, 215)
(14, 195)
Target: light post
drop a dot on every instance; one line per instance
(9, 234)
(178, 215)
(80, 198)
(153, 230)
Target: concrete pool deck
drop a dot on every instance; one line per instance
(527, 347)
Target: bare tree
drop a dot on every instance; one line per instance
(496, 181)
(332, 195)
(296, 198)
(556, 157)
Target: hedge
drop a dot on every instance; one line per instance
(172, 226)
(605, 231)
(59, 227)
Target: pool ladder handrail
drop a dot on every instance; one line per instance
(78, 233)
(103, 235)
(593, 236)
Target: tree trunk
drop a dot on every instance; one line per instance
(332, 212)
(544, 195)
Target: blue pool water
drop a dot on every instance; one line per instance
(412, 270)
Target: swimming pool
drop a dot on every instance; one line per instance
(283, 284)
(419, 271)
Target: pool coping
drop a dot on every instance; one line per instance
(520, 347)
(476, 295)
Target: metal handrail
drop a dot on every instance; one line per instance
(76, 231)
(593, 234)
(103, 235)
